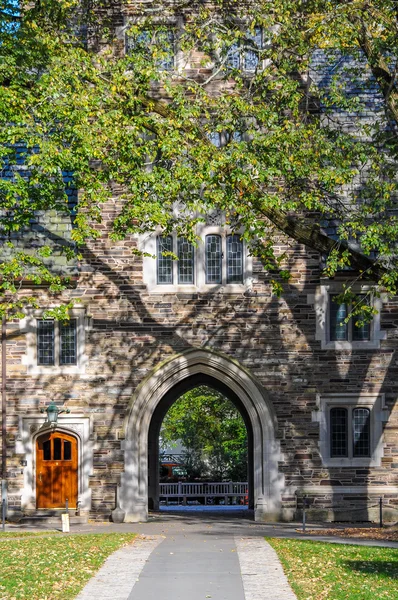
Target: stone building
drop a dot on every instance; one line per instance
(318, 397)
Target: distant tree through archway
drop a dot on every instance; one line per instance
(204, 432)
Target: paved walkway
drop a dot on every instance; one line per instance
(188, 565)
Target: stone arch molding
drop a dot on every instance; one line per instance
(30, 428)
(267, 484)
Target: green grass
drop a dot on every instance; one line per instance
(37, 568)
(319, 571)
(20, 534)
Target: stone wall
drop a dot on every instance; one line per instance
(130, 332)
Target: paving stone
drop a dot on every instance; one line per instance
(119, 573)
(262, 574)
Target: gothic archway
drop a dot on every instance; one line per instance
(161, 388)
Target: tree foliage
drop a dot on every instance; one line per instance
(212, 432)
(309, 135)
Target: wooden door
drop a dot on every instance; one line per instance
(56, 470)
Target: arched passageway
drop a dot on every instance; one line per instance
(190, 383)
(139, 482)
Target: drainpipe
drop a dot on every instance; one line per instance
(3, 400)
(3, 422)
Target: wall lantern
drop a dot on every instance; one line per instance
(53, 411)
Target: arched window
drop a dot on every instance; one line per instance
(216, 258)
(164, 263)
(361, 431)
(338, 432)
(185, 253)
(213, 259)
(234, 259)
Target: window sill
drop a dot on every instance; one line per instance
(351, 462)
(366, 345)
(229, 288)
(55, 369)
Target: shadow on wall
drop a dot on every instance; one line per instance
(273, 337)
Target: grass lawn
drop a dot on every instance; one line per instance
(319, 571)
(38, 568)
(15, 534)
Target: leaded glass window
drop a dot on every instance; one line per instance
(251, 57)
(362, 333)
(185, 253)
(68, 343)
(361, 431)
(163, 39)
(242, 56)
(164, 261)
(166, 63)
(338, 432)
(45, 342)
(234, 259)
(215, 138)
(213, 259)
(233, 60)
(338, 314)
(342, 331)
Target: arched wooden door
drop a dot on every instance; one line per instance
(56, 470)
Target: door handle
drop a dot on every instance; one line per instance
(40, 479)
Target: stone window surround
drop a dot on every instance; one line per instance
(175, 23)
(321, 301)
(148, 245)
(30, 428)
(241, 51)
(28, 326)
(181, 60)
(378, 415)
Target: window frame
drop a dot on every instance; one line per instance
(168, 63)
(375, 403)
(322, 301)
(349, 433)
(174, 25)
(181, 241)
(149, 245)
(28, 325)
(160, 258)
(242, 52)
(350, 326)
(57, 357)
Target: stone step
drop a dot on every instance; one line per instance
(51, 518)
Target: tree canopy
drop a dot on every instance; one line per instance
(212, 432)
(281, 115)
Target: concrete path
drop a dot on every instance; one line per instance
(191, 561)
(191, 567)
